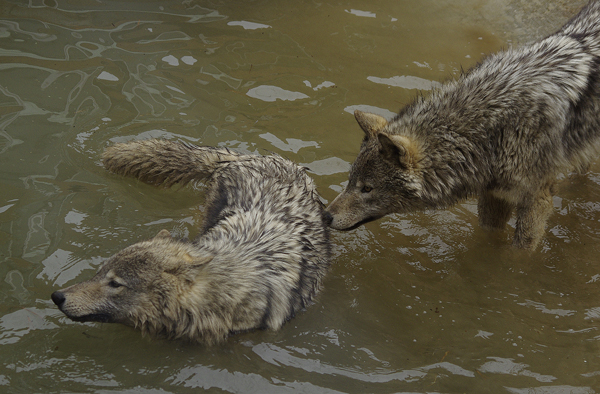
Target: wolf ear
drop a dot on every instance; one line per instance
(399, 150)
(189, 268)
(163, 234)
(370, 123)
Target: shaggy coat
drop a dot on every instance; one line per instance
(503, 132)
(260, 257)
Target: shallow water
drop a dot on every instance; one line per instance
(418, 303)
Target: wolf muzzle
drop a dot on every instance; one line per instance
(59, 299)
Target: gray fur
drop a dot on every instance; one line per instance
(260, 258)
(503, 132)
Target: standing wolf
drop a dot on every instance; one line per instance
(261, 255)
(503, 132)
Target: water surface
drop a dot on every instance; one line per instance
(417, 303)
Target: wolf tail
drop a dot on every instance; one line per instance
(165, 163)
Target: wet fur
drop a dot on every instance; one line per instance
(260, 257)
(502, 132)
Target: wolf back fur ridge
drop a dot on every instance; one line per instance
(503, 131)
(260, 257)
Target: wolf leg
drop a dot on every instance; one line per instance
(493, 211)
(163, 162)
(532, 215)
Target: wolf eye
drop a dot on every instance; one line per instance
(366, 189)
(114, 284)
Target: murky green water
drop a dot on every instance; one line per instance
(419, 303)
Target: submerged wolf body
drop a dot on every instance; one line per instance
(260, 257)
(503, 131)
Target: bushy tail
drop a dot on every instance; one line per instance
(165, 163)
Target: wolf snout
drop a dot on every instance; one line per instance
(58, 298)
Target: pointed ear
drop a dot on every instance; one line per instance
(370, 123)
(200, 261)
(399, 150)
(163, 234)
(189, 267)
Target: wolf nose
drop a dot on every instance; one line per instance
(58, 298)
(328, 218)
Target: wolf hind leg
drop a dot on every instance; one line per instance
(163, 162)
(532, 215)
(493, 211)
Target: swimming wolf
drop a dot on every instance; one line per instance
(260, 257)
(502, 131)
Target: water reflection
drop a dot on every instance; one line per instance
(326, 84)
(552, 390)
(272, 93)
(106, 76)
(509, 367)
(366, 14)
(278, 356)
(291, 144)
(62, 267)
(329, 166)
(369, 108)
(406, 82)
(248, 25)
(207, 378)
(20, 323)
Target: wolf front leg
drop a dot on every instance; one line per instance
(493, 211)
(532, 214)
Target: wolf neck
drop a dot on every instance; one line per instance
(195, 323)
(454, 135)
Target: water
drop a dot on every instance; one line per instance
(418, 303)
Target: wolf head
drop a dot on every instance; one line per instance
(142, 286)
(386, 176)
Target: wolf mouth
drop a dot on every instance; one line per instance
(92, 317)
(364, 221)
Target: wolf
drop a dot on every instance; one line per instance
(503, 132)
(260, 257)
